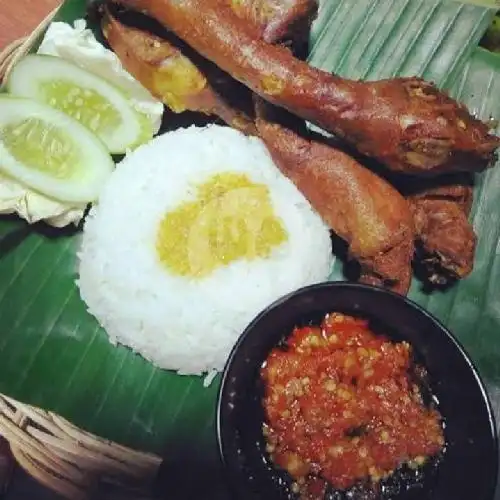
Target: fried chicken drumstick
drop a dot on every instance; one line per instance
(375, 223)
(362, 208)
(173, 76)
(406, 123)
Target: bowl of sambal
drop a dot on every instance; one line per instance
(347, 391)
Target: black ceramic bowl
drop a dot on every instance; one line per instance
(468, 469)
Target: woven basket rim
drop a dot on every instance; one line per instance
(56, 453)
(20, 47)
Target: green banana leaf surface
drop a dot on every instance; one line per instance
(53, 354)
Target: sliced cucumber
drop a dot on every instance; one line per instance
(91, 100)
(51, 152)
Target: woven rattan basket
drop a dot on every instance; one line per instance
(74, 463)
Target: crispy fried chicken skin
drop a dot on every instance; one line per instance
(406, 123)
(363, 209)
(443, 229)
(169, 74)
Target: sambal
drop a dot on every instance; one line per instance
(342, 406)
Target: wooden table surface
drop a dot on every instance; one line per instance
(19, 17)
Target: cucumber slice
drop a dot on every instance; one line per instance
(50, 152)
(91, 100)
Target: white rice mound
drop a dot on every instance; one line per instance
(180, 323)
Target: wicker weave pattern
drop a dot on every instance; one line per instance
(19, 48)
(74, 463)
(67, 459)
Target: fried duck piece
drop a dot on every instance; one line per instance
(443, 229)
(168, 74)
(406, 123)
(165, 69)
(360, 207)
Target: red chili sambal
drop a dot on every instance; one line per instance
(342, 406)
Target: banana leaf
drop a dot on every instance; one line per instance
(53, 354)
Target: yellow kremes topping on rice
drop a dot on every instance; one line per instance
(232, 218)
